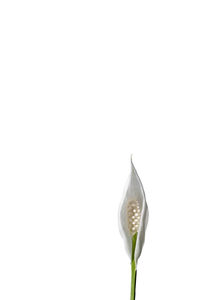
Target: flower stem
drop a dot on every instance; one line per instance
(133, 268)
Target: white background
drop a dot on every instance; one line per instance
(83, 84)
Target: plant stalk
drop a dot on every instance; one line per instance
(133, 268)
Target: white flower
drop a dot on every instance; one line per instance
(133, 215)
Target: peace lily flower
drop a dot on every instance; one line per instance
(133, 219)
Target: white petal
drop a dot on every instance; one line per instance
(133, 191)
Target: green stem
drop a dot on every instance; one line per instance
(133, 268)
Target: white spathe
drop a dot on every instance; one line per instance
(133, 191)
